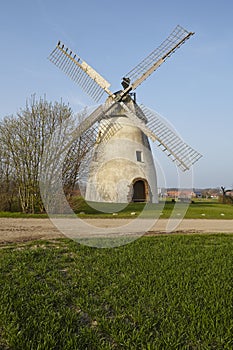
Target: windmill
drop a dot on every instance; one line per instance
(122, 167)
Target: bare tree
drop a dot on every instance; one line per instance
(25, 139)
(226, 197)
(77, 161)
(7, 180)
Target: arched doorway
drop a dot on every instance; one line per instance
(140, 191)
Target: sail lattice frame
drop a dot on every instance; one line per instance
(146, 67)
(80, 72)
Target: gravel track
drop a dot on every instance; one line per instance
(20, 230)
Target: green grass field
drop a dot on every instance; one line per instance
(163, 292)
(200, 209)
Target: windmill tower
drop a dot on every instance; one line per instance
(123, 170)
(122, 167)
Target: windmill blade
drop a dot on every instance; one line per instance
(146, 67)
(101, 112)
(138, 121)
(166, 138)
(89, 121)
(90, 128)
(86, 134)
(80, 72)
(180, 152)
(90, 141)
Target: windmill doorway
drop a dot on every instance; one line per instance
(140, 191)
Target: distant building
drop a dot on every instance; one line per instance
(180, 194)
(197, 194)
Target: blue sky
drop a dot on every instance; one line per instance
(193, 89)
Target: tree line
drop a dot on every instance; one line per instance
(25, 140)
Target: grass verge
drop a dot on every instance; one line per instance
(163, 292)
(196, 210)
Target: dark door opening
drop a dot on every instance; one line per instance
(139, 191)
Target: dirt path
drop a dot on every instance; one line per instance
(18, 230)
